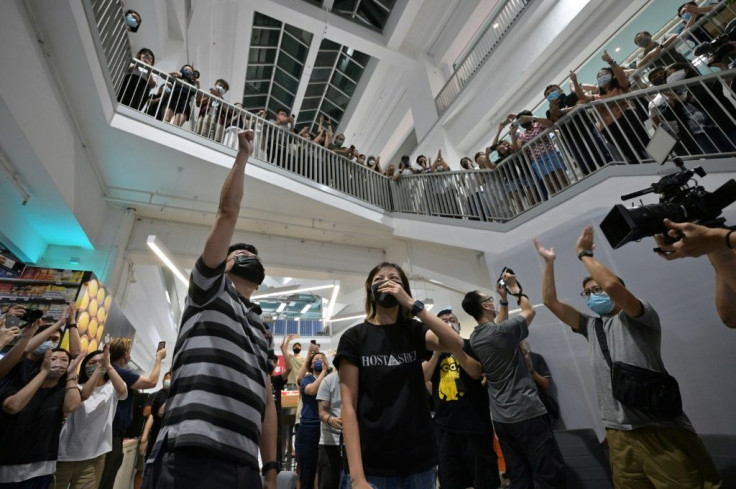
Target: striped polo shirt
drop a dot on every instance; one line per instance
(222, 360)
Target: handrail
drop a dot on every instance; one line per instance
(495, 30)
(588, 138)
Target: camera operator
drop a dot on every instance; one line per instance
(651, 442)
(719, 244)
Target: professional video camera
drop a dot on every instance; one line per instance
(678, 202)
(719, 49)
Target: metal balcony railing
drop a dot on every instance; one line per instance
(699, 111)
(495, 30)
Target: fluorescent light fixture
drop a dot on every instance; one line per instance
(168, 297)
(281, 307)
(306, 308)
(495, 25)
(165, 256)
(331, 306)
(289, 290)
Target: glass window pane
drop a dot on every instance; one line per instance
(304, 36)
(311, 103)
(343, 83)
(294, 48)
(305, 116)
(286, 81)
(337, 98)
(261, 55)
(264, 37)
(325, 59)
(254, 102)
(290, 66)
(285, 97)
(315, 89)
(265, 20)
(320, 75)
(258, 87)
(333, 112)
(258, 73)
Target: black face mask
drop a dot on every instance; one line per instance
(659, 80)
(526, 125)
(249, 268)
(382, 298)
(297, 350)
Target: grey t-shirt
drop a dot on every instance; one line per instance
(635, 341)
(329, 390)
(511, 389)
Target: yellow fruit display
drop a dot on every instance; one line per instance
(84, 343)
(84, 303)
(92, 309)
(101, 315)
(101, 296)
(92, 346)
(108, 302)
(83, 322)
(92, 287)
(100, 329)
(93, 325)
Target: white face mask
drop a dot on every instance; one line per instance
(677, 76)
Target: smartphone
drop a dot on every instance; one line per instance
(161, 345)
(12, 322)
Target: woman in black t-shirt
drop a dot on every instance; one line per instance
(388, 432)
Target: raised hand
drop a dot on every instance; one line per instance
(606, 57)
(548, 254)
(585, 241)
(693, 240)
(396, 290)
(574, 77)
(106, 362)
(74, 364)
(8, 334)
(245, 142)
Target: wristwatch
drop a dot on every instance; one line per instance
(417, 307)
(274, 465)
(585, 253)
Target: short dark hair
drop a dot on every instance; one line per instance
(554, 85)
(294, 344)
(420, 157)
(68, 355)
(222, 82)
(167, 373)
(589, 278)
(143, 51)
(405, 159)
(242, 246)
(477, 155)
(83, 377)
(472, 304)
(523, 113)
(679, 9)
(284, 110)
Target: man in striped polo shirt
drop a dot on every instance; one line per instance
(220, 406)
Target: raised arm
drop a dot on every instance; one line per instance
(285, 354)
(502, 314)
(150, 381)
(527, 310)
(75, 343)
(564, 312)
(18, 351)
(313, 388)
(15, 403)
(578, 89)
(618, 72)
(231, 197)
(44, 335)
(606, 279)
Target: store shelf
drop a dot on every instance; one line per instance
(39, 282)
(35, 300)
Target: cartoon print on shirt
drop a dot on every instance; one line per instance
(449, 380)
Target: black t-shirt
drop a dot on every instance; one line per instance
(32, 435)
(567, 100)
(156, 401)
(396, 432)
(460, 401)
(277, 385)
(124, 412)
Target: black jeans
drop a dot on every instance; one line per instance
(532, 454)
(467, 460)
(329, 466)
(113, 461)
(307, 443)
(197, 469)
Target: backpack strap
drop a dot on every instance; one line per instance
(602, 342)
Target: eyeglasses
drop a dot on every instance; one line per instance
(487, 299)
(593, 290)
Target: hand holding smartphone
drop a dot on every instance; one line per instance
(161, 345)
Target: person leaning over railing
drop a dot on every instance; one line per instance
(184, 88)
(546, 161)
(211, 119)
(138, 81)
(689, 12)
(655, 52)
(622, 126)
(668, 111)
(709, 119)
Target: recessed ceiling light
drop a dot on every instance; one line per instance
(618, 49)
(495, 25)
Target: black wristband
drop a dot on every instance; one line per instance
(268, 466)
(728, 239)
(503, 303)
(585, 253)
(71, 325)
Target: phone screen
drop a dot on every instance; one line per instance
(12, 321)
(161, 345)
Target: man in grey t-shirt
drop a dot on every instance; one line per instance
(646, 450)
(329, 406)
(519, 417)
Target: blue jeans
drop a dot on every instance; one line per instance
(419, 480)
(40, 482)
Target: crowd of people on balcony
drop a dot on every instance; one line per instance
(536, 157)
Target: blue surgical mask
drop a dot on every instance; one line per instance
(220, 89)
(553, 96)
(605, 80)
(187, 73)
(167, 89)
(41, 349)
(686, 16)
(600, 304)
(317, 366)
(643, 41)
(131, 20)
